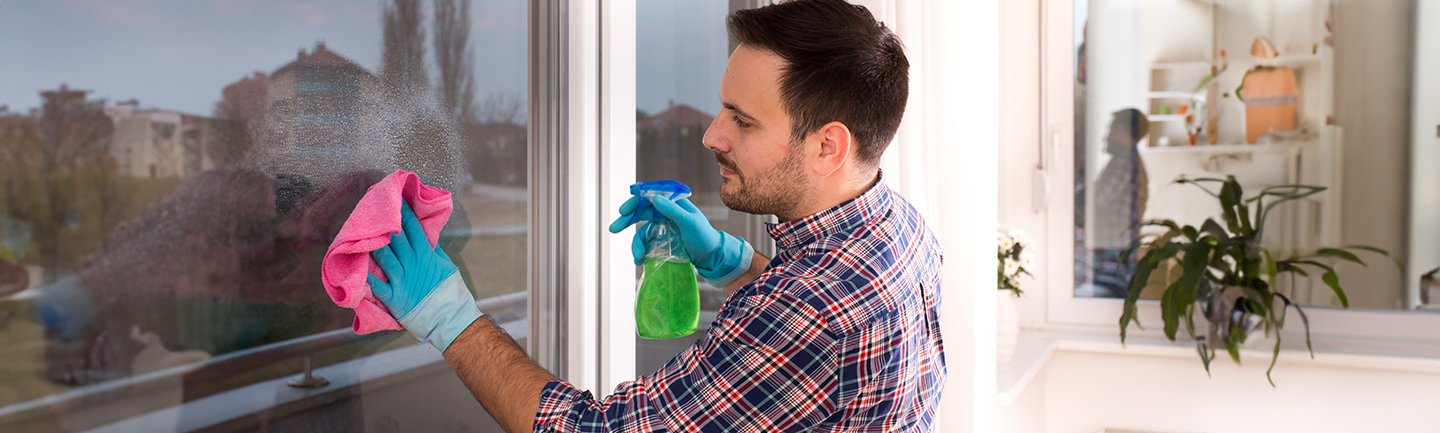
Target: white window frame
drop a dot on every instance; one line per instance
(1054, 308)
(583, 70)
(599, 156)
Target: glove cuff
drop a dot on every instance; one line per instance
(443, 314)
(733, 261)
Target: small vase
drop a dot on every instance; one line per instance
(1007, 333)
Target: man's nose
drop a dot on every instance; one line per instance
(712, 138)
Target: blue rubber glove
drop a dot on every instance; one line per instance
(66, 309)
(719, 257)
(425, 293)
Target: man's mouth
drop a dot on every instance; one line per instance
(725, 167)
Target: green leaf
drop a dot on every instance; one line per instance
(1331, 280)
(1339, 254)
(1260, 304)
(1204, 82)
(1274, 356)
(1213, 228)
(1290, 267)
(1306, 320)
(1196, 183)
(1238, 89)
(1381, 252)
(1232, 346)
(1138, 280)
(1172, 225)
(1294, 194)
(1245, 227)
(1190, 233)
(1181, 294)
(1270, 270)
(1229, 200)
(1303, 319)
(1158, 241)
(1205, 353)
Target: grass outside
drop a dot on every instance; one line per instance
(22, 355)
(494, 264)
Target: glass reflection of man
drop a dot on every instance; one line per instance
(1120, 195)
(838, 333)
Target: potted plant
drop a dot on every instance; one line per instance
(1226, 277)
(1012, 260)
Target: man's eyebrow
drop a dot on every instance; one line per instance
(737, 110)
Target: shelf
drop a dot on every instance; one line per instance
(1175, 94)
(1166, 117)
(1292, 59)
(1206, 149)
(1180, 65)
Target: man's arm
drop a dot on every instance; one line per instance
(497, 371)
(757, 267)
(505, 381)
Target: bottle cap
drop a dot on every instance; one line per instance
(644, 211)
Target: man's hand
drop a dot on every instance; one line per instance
(719, 257)
(425, 293)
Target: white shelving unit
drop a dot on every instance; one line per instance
(1311, 155)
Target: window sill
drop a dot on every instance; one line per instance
(1035, 349)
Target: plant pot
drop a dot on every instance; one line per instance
(1007, 331)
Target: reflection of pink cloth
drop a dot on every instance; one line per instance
(376, 216)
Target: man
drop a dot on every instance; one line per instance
(1121, 192)
(838, 332)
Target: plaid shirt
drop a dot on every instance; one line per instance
(840, 333)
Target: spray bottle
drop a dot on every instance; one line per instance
(667, 302)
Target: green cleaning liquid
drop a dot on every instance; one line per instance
(668, 303)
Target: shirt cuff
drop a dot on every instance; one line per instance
(556, 401)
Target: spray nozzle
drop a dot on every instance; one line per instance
(644, 211)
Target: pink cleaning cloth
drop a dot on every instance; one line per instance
(376, 216)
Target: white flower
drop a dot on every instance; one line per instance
(1011, 269)
(1023, 239)
(1008, 237)
(1027, 260)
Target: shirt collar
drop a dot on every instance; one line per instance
(844, 217)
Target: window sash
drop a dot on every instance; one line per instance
(1055, 307)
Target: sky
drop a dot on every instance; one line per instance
(681, 48)
(180, 54)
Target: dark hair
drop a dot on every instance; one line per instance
(1133, 121)
(840, 65)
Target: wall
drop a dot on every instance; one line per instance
(1372, 102)
(1425, 149)
(1083, 392)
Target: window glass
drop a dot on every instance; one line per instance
(681, 51)
(1274, 92)
(172, 173)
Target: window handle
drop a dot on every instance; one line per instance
(1040, 187)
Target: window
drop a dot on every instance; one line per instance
(1146, 114)
(681, 51)
(1125, 93)
(172, 174)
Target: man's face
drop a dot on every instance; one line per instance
(764, 173)
(1119, 139)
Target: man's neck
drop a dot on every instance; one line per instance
(833, 194)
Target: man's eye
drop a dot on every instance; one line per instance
(740, 123)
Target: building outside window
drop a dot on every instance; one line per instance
(681, 51)
(172, 174)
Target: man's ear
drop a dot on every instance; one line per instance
(835, 142)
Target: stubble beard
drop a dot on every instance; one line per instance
(776, 191)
